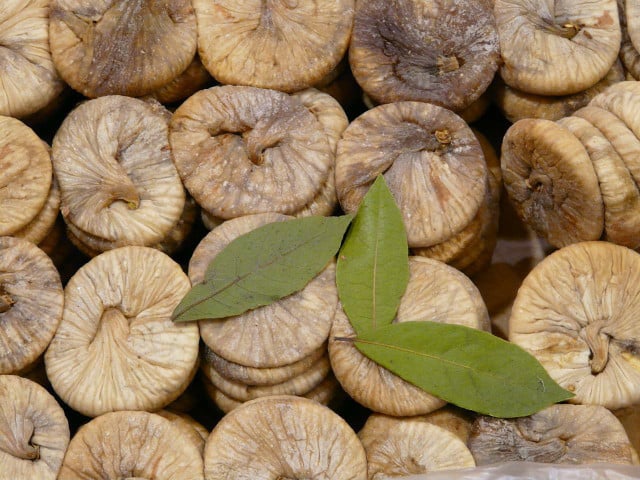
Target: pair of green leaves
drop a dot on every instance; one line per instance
(470, 368)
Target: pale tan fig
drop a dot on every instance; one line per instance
(31, 302)
(42, 224)
(196, 433)
(282, 437)
(574, 434)
(435, 292)
(34, 432)
(117, 320)
(194, 78)
(623, 100)
(516, 104)
(408, 446)
(551, 182)
(632, 14)
(25, 175)
(630, 419)
(556, 48)
(209, 221)
(118, 183)
(29, 79)
(132, 445)
(443, 52)
(576, 313)
(285, 45)
(451, 418)
(275, 335)
(245, 150)
(430, 159)
(628, 54)
(121, 47)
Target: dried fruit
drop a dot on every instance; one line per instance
(194, 78)
(628, 54)
(117, 320)
(34, 433)
(632, 15)
(42, 224)
(284, 45)
(442, 52)
(120, 47)
(192, 429)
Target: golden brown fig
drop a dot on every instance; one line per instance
(121, 47)
(556, 48)
(34, 432)
(576, 313)
(117, 320)
(283, 437)
(192, 429)
(132, 445)
(630, 419)
(29, 79)
(477, 109)
(632, 14)
(623, 100)
(194, 78)
(443, 52)
(574, 434)
(431, 161)
(285, 45)
(628, 54)
(551, 181)
(42, 224)
(31, 302)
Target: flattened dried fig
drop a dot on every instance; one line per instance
(551, 182)
(284, 437)
(194, 78)
(29, 79)
(132, 445)
(31, 301)
(34, 433)
(431, 161)
(628, 54)
(117, 320)
(192, 429)
(443, 52)
(42, 224)
(556, 48)
(576, 313)
(119, 47)
(286, 45)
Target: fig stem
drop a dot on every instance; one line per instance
(447, 64)
(125, 193)
(598, 342)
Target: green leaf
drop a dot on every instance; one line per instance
(263, 266)
(373, 265)
(467, 367)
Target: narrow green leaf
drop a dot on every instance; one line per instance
(467, 367)
(263, 266)
(373, 266)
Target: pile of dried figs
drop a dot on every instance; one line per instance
(227, 225)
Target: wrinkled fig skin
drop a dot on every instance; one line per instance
(443, 52)
(194, 78)
(569, 434)
(124, 47)
(40, 227)
(628, 54)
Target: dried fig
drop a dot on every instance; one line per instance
(576, 313)
(190, 428)
(34, 432)
(42, 224)
(280, 44)
(119, 47)
(632, 15)
(117, 320)
(29, 79)
(283, 437)
(628, 54)
(194, 78)
(443, 52)
(630, 419)
(31, 302)
(132, 445)
(431, 161)
(556, 48)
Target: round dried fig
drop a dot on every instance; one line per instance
(194, 78)
(196, 433)
(117, 320)
(285, 45)
(132, 445)
(431, 161)
(576, 313)
(283, 437)
(31, 302)
(121, 47)
(29, 79)
(556, 48)
(34, 432)
(628, 54)
(442, 52)
(42, 224)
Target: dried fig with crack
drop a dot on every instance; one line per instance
(285, 45)
(117, 320)
(132, 445)
(576, 313)
(34, 432)
(29, 79)
(31, 303)
(121, 47)
(283, 437)
(443, 52)
(556, 48)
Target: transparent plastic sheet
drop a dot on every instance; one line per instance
(536, 471)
